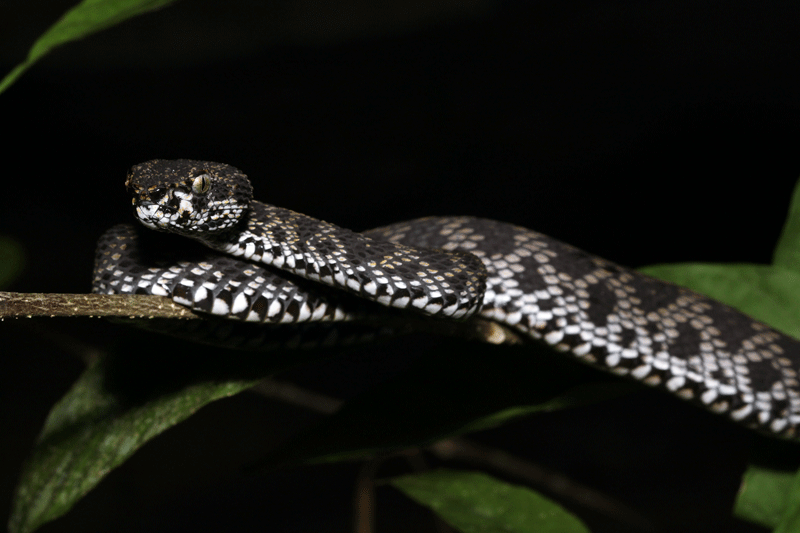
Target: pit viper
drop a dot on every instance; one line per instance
(271, 265)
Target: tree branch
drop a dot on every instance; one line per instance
(17, 305)
(29, 305)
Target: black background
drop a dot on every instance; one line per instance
(643, 132)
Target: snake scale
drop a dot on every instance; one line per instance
(271, 265)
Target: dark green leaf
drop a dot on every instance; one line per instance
(88, 17)
(477, 503)
(148, 385)
(790, 520)
(764, 495)
(88, 433)
(770, 498)
(787, 251)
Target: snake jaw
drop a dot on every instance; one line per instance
(146, 213)
(186, 197)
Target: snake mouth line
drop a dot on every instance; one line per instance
(154, 216)
(184, 219)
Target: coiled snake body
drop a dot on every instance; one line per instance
(450, 267)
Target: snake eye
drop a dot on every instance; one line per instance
(201, 183)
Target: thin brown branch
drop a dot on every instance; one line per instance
(20, 305)
(416, 460)
(140, 306)
(364, 498)
(294, 395)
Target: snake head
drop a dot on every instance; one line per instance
(192, 198)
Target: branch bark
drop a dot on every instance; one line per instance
(139, 306)
(19, 305)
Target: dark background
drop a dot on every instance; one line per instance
(643, 132)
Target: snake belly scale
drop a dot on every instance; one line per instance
(606, 315)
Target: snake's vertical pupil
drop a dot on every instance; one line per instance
(201, 183)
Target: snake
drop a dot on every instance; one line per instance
(259, 263)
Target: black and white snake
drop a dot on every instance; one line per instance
(454, 268)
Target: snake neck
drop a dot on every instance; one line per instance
(434, 282)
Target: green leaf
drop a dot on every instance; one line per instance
(88, 17)
(787, 251)
(148, 385)
(764, 495)
(473, 502)
(790, 521)
(458, 388)
(770, 498)
(89, 432)
(571, 396)
(12, 260)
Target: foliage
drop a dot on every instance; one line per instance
(89, 432)
(86, 18)
(770, 497)
(476, 503)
